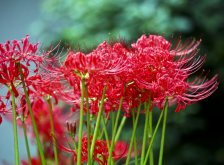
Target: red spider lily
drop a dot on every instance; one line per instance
(106, 58)
(165, 77)
(26, 53)
(149, 68)
(100, 68)
(9, 75)
(100, 153)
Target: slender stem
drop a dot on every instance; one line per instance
(151, 160)
(145, 134)
(153, 136)
(133, 134)
(91, 127)
(99, 130)
(74, 143)
(114, 132)
(15, 129)
(98, 122)
(113, 122)
(32, 117)
(81, 123)
(163, 133)
(88, 124)
(135, 144)
(27, 144)
(120, 128)
(52, 129)
(105, 130)
(108, 116)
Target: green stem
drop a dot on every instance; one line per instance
(98, 122)
(32, 118)
(163, 133)
(88, 124)
(108, 116)
(81, 122)
(105, 130)
(114, 132)
(120, 128)
(153, 136)
(135, 143)
(27, 144)
(74, 143)
(52, 129)
(15, 129)
(145, 134)
(149, 137)
(133, 134)
(113, 122)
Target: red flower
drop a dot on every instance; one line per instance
(9, 75)
(27, 53)
(156, 70)
(148, 68)
(100, 153)
(100, 68)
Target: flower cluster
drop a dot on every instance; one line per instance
(13, 58)
(147, 67)
(100, 153)
(111, 77)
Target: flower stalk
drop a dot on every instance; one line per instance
(120, 128)
(133, 134)
(153, 136)
(98, 122)
(52, 129)
(135, 143)
(105, 131)
(27, 144)
(108, 116)
(151, 160)
(145, 131)
(81, 122)
(32, 117)
(114, 131)
(163, 133)
(88, 123)
(15, 129)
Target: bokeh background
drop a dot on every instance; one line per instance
(194, 136)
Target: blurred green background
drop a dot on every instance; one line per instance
(195, 135)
